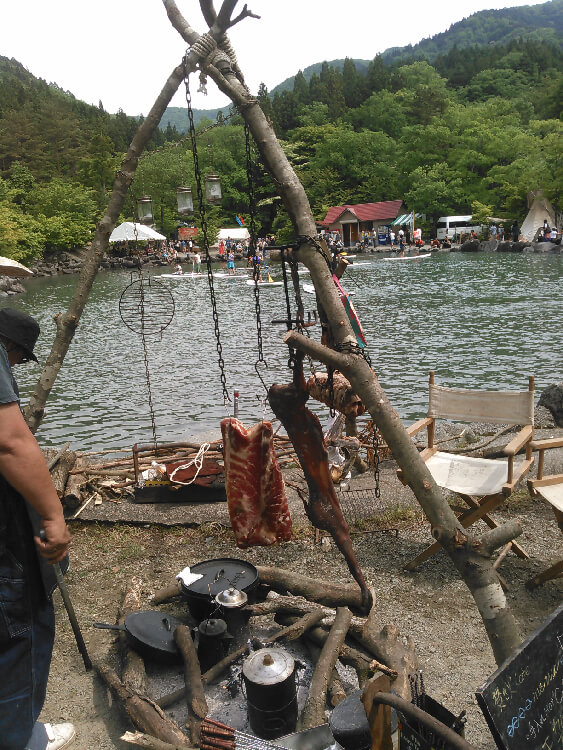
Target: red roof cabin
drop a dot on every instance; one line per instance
(352, 221)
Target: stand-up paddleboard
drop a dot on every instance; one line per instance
(409, 257)
(182, 276)
(251, 282)
(356, 264)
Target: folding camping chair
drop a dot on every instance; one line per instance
(550, 488)
(482, 483)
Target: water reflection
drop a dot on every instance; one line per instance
(483, 320)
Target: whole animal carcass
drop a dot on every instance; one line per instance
(305, 432)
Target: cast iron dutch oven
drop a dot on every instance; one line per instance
(151, 633)
(218, 575)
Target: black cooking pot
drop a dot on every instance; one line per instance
(151, 633)
(271, 692)
(218, 575)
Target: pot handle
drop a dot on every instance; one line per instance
(106, 626)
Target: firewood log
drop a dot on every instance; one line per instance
(195, 695)
(323, 592)
(144, 713)
(313, 714)
(133, 672)
(60, 471)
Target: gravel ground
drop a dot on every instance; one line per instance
(431, 604)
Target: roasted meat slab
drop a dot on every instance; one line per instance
(255, 490)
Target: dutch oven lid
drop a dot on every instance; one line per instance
(153, 629)
(231, 598)
(220, 574)
(268, 666)
(212, 628)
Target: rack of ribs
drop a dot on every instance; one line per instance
(254, 485)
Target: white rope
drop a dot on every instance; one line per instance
(197, 461)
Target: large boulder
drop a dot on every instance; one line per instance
(471, 246)
(552, 399)
(511, 247)
(489, 246)
(546, 247)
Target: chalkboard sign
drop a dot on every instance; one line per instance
(523, 700)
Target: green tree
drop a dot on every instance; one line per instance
(265, 101)
(437, 191)
(351, 84)
(301, 88)
(377, 76)
(21, 236)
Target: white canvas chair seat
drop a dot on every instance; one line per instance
(482, 483)
(553, 493)
(470, 476)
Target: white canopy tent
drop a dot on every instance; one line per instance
(132, 231)
(237, 233)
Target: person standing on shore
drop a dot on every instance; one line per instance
(515, 229)
(28, 503)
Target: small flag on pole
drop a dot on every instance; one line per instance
(240, 220)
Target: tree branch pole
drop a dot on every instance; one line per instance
(68, 322)
(475, 568)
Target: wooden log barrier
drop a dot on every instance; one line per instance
(72, 494)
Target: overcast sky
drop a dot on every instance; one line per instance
(120, 52)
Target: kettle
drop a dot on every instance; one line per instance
(231, 603)
(213, 642)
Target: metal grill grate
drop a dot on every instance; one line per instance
(365, 513)
(146, 307)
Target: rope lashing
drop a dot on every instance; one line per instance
(196, 461)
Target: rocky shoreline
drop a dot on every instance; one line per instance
(67, 262)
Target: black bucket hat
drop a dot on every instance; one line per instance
(21, 329)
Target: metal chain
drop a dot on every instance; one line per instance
(330, 386)
(375, 444)
(291, 362)
(203, 221)
(144, 340)
(253, 249)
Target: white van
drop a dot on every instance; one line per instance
(455, 226)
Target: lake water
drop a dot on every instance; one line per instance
(482, 320)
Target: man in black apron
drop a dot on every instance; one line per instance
(28, 503)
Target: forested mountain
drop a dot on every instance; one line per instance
(472, 129)
(487, 27)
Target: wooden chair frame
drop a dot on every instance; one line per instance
(456, 400)
(536, 487)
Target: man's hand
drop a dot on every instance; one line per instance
(57, 540)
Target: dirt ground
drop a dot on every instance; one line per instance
(431, 604)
